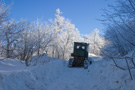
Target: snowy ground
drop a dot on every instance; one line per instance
(55, 75)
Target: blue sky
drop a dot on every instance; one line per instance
(82, 13)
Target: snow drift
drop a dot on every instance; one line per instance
(14, 75)
(54, 74)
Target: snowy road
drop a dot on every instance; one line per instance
(101, 75)
(55, 75)
(72, 79)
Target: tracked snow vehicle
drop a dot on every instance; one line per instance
(79, 55)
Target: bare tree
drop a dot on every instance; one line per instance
(10, 35)
(120, 25)
(120, 32)
(3, 18)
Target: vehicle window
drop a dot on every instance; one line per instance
(83, 47)
(77, 47)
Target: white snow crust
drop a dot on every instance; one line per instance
(55, 75)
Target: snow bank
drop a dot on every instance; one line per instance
(14, 75)
(105, 76)
(101, 75)
(41, 60)
(53, 74)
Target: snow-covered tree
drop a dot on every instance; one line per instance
(68, 37)
(10, 36)
(120, 24)
(3, 12)
(44, 37)
(3, 18)
(65, 34)
(96, 42)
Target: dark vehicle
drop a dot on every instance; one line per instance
(80, 55)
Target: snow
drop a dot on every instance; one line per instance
(92, 55)
(55, 75)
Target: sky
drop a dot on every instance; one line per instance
(82, 13)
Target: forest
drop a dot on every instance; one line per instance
(23, 39)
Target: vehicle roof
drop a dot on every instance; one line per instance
(82, 43)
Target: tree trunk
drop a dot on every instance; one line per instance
(8, 45)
